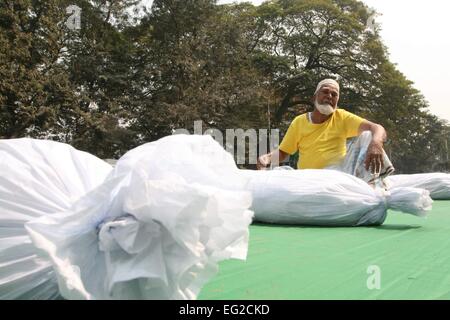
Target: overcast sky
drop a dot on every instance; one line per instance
(417, 35)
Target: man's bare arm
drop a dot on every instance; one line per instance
(374, 157)
(378, 132)
(265, 160)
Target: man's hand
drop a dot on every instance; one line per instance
(263, 161)
(374, 157)
(274, 158)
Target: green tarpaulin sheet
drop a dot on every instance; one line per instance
(405, 258)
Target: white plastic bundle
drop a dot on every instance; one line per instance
(327, 198)
(38, 178)
(154, 228)
(438, 184)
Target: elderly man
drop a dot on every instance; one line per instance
(320, 138)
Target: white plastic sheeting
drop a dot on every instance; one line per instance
(154, 227)
(327, 198)
(438, 184)
(38, 178)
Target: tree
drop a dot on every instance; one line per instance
(118, 82)
(34, 87)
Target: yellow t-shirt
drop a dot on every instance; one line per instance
(320, 145)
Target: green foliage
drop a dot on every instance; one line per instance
(34, 89)
(119, 82)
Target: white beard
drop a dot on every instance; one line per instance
(324, 109)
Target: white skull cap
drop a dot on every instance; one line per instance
(327, 82)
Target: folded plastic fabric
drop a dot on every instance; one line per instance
(438, 184)
(154, 228)
(38, 178)
(327, 198)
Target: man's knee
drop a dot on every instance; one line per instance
(366, 134)
(365, 138)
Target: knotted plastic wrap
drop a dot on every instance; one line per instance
(438, 184)
(154, 228)
(327, 198)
